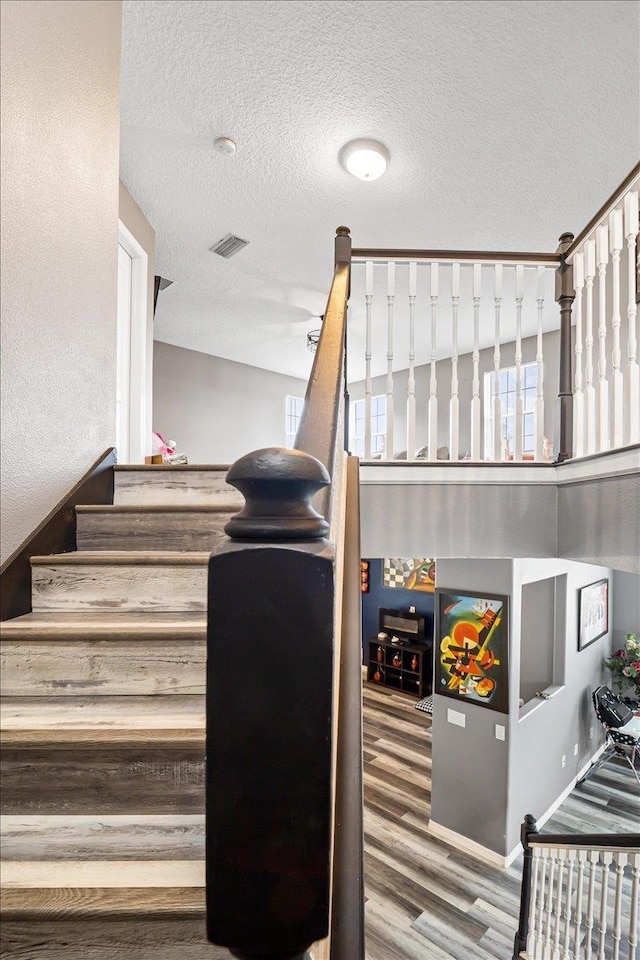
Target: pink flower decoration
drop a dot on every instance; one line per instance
(627, 671)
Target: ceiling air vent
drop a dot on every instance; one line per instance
(228, 246)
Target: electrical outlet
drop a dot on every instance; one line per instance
(575, 749)
(564, 760)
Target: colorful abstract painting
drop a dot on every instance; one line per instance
(472, 647)
(409, 573)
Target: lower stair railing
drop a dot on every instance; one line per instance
(579, 896)
(284, 873)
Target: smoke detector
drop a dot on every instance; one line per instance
(225, 145)
(229, 246)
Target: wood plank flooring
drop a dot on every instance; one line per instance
(427, 900)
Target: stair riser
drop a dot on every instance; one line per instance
(105, 938)
(102, 780)
(119, 587)
(151, 531)
(102, 667)
(179, 487)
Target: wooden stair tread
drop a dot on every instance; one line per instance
(170, 468)
(158, 558)
(178, 718)
(56, 874)
(105, 625)
(99, 836)
(20, 903)
(160, 508)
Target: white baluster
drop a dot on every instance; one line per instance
(549, 909)
(602, 248)
(631, 232)
(519, 406)
(606, 857)
(533, 903)
(411, 383)
(558, 907)
(475, 386)
(620, 859)
(593, 862)
(454, 406)
(541, 905)
(391, 292)
(582, 856)
(578, 396)
(590, 393)
(566, 939)
(368, 291)
(497, 405)
(541, 276)
(432, 438)
(633, 911)
(617, 380)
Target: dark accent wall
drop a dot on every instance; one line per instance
(392, 598)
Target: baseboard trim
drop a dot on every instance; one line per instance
(490, 856)
(469, 846)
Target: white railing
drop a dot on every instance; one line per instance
(442, 324)
(607, 377)
(584, 901)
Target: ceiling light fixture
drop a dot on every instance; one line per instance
(225, 145)
(365, 159)
(313, 337)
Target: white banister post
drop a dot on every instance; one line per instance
(620, 861)
(540, 285)
(578, 399)
(633, 913)
(539, 942)
(602, 250)
(631, 232)
(617, 380)
(391, 292)
(454, 406)
(519, 405)
(368, 289)
(432, 438)
(582, 856)
(475, 387)
(411, 383)
(593, 863)
(590, 393)
(606, 858)
(553, 860)
(566, 937)
(497, 405)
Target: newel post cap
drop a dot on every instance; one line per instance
(277, 485)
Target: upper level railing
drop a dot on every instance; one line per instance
(467, 356)
(579, 896)
(284, 758)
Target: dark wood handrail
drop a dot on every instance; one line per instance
(475, 256)
(597, 841)
(606, 207)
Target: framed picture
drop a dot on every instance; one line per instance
(593, 612)
(409, 573)
(471, 648)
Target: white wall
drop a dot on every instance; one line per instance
(217, 410)
(60, 142)
(132, 217)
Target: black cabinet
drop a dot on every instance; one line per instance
(406, 667)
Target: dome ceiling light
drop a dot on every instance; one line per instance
(365, 159)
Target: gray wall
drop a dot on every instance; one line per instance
(537, 637)
(482, 787)
(551, 347)
(599, 520)
(217, 410)
(60, 138)
(626, 590)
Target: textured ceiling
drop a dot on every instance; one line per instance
(508, 122)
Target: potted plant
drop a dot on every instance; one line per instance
(625, 666)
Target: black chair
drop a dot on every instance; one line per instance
(614, 714)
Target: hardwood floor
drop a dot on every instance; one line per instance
(427, 900)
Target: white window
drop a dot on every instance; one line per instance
(378, 426)
(528, 389)
(293, 412)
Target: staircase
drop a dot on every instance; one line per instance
(103, 729)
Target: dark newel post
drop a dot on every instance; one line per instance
(527, 830)
(565, 295)
(269, 709)
(343, 255)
